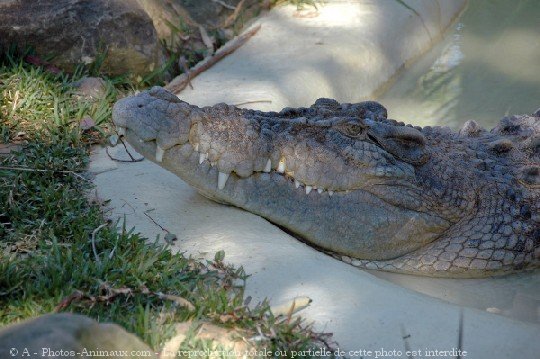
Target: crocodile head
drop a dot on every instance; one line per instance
(340, 176)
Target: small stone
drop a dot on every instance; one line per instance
(346, 259)
(170, 238)
(113, 140)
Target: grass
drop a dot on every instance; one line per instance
(58, 253)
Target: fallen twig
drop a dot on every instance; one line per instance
(111, 293)
(157, 224)
(180, 82)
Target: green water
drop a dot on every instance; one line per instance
(487, 66)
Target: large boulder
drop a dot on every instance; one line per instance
(70, 335)
(78, 31)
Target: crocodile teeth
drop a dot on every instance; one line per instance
(281, 166)
(121, 131)
(296, 183)
(159, 154)
(268, 166)
(222, 179)
(330, 193)
(320, 190)
(308, 189)
(196, 147)
(202, 157)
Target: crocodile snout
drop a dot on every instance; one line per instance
(155, 115)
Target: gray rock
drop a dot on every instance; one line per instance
(69, 335)
(77, 31)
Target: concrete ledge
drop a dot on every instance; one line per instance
(349, 51)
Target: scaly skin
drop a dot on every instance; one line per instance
(371, 191)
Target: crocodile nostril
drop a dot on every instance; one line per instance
(140, 106)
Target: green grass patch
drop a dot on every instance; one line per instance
(59, 253)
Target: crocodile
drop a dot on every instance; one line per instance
(369, 190)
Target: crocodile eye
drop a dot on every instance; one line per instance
(352, 130)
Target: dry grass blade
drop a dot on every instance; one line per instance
(94, 232)
(231, 19)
